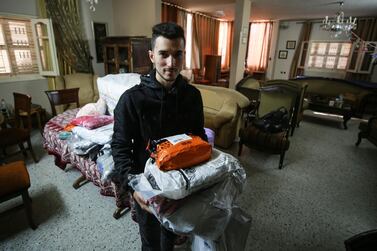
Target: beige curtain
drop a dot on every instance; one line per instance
(225, 43)
(168, 13)
(367, 31)
(205, 38)
(258, 47)
(304, 36)
(72, 46)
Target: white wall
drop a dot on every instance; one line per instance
(23, 7)
(35, 88)
(135, 18)
(102, 14)
(272, 52)
(288, 30)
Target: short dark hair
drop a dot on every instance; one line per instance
(167, 30)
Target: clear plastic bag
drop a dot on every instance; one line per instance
(105, 162)
(205, 213)
(79, 145)
(233, 238)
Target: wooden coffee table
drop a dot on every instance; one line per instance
(345, 110)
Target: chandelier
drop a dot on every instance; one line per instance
(339, 24)
(91, 4)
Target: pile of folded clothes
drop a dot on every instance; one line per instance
(90, 133)
(198, 199)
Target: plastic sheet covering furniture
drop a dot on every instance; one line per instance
(88, 168)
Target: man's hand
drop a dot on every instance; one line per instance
(142, 203)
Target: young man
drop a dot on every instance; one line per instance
(164, 104)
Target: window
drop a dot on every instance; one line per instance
(328, 55)
(18, 43)
(258, 48)
(361, 59)
(188, 40)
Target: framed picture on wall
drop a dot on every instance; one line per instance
(99, 32)
(291, 44)
(283, 54)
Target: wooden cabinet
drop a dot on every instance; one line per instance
(126, 54)
(213, 68)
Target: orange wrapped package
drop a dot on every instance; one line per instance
(181, 151)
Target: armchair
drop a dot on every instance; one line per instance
(271, 98)
(368, 130)
(222, 112)
(301, 91)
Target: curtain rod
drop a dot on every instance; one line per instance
(193, 12)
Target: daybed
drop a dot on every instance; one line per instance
(110, 88)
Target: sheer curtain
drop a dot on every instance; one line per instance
(168, 13)
(225, 43)
(205, 38)
(258, 47)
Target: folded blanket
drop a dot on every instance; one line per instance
(92, 122)
(100, 135)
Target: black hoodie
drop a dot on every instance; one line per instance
(149, 111)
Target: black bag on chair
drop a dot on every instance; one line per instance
(273, 122)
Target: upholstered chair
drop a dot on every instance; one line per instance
(271, 98)
(368, 130)
(299, 106)
(14, 182)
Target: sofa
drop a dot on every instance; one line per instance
(353, 92)
(222, 112)
(87, 83)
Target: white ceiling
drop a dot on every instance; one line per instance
(283, 9)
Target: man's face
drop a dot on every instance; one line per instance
(167, 56)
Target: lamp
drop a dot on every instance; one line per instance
(339, 24)
(91, 4)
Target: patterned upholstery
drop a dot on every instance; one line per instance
(264, 141)
(63, 156)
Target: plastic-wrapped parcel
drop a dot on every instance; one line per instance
(205, 213)
(233, 238)
(177, 184)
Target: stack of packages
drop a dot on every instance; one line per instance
(90, 133)
(191, 189)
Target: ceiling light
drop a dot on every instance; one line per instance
(339, 24)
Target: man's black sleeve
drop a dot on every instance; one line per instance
(122, 142)
(198, 121)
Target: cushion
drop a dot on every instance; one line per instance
(112, 86)
(84, 81)
(13, 178)
(92, 122)
(93, 109)
(211, 100)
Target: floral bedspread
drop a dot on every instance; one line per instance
(59, 148)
